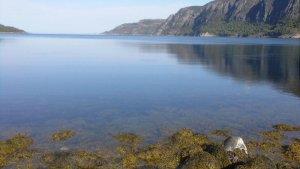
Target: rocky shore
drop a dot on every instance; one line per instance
(184, 149)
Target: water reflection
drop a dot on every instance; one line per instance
(252, 63)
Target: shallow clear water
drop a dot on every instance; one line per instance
(102, 85)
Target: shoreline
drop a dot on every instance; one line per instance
(183, 149)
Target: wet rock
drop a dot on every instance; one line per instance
(219, 153)
(232, 143)
(202, 160)
(259, 162)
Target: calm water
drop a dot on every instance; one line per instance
(102, 85)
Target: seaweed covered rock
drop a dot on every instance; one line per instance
(219, 153)
(73, 160)
(221, 133)
(159, 155)
(259, 162)
(186, 138)
(62, 135)
(15, 149)
(286, 127)
(274, 136)
(202, 160)
(129, 139)
(292, 151)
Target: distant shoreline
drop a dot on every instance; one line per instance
(297, 36)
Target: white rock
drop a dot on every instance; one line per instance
(232, 143)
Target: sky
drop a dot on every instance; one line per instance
(84, 16)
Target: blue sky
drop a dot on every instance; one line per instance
(84, 16)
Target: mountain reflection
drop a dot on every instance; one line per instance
(276, 64)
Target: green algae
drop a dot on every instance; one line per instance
(286, 127)
(62, 135)
(15, 149)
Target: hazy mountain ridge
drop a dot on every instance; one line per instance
(230, 18)
(143, 27)
(10, 29)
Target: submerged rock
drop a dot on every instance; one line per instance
(202, 160)
(232, 143)
(286, 127)
(62, 135)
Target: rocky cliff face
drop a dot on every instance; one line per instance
(229, 17)
(143, 27)
(180, 23)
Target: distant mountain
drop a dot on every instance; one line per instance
(143, 27)
(9, 29)
(231, 18)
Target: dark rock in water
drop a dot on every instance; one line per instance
(219, 153)
(259, 162)
(201, 161)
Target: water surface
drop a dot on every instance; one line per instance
(102, 85)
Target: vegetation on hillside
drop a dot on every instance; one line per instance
(9, 29)
(245, 29)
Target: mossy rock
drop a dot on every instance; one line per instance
(202, 160)
(259, 162)
(286, 127)
(62, 135)
(218, 151)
